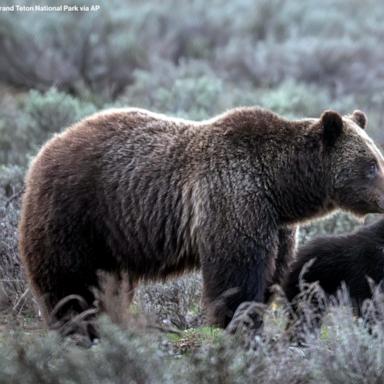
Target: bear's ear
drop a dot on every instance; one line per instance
(332, 125)
(360, 118)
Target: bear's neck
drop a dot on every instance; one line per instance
(303, 197)
(300, 185)
(279, 159)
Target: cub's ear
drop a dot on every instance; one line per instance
(332, 125)
(360, 118)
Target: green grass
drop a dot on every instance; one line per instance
(191, 339)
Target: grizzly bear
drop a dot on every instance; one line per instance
(137, 192)
(334, 261)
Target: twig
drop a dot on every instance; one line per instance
(21, 298)
(13, 197)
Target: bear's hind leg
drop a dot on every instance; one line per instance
(62, 269)
(69, 301)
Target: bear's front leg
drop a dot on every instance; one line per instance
(239, 271)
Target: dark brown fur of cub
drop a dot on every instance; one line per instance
(349, 259)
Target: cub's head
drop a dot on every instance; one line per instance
(356, 165)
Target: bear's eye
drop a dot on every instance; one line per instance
(372, 170)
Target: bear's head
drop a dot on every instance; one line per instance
(356, 164)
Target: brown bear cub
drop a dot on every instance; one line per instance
(331, 261)
(134, 192)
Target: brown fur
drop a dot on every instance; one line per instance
(136, 192)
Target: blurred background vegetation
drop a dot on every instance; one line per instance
(192, 59)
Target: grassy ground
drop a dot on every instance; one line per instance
(345, 353)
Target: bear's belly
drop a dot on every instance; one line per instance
(150, 253)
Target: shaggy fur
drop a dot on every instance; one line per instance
(349, 258)
(137, 192)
